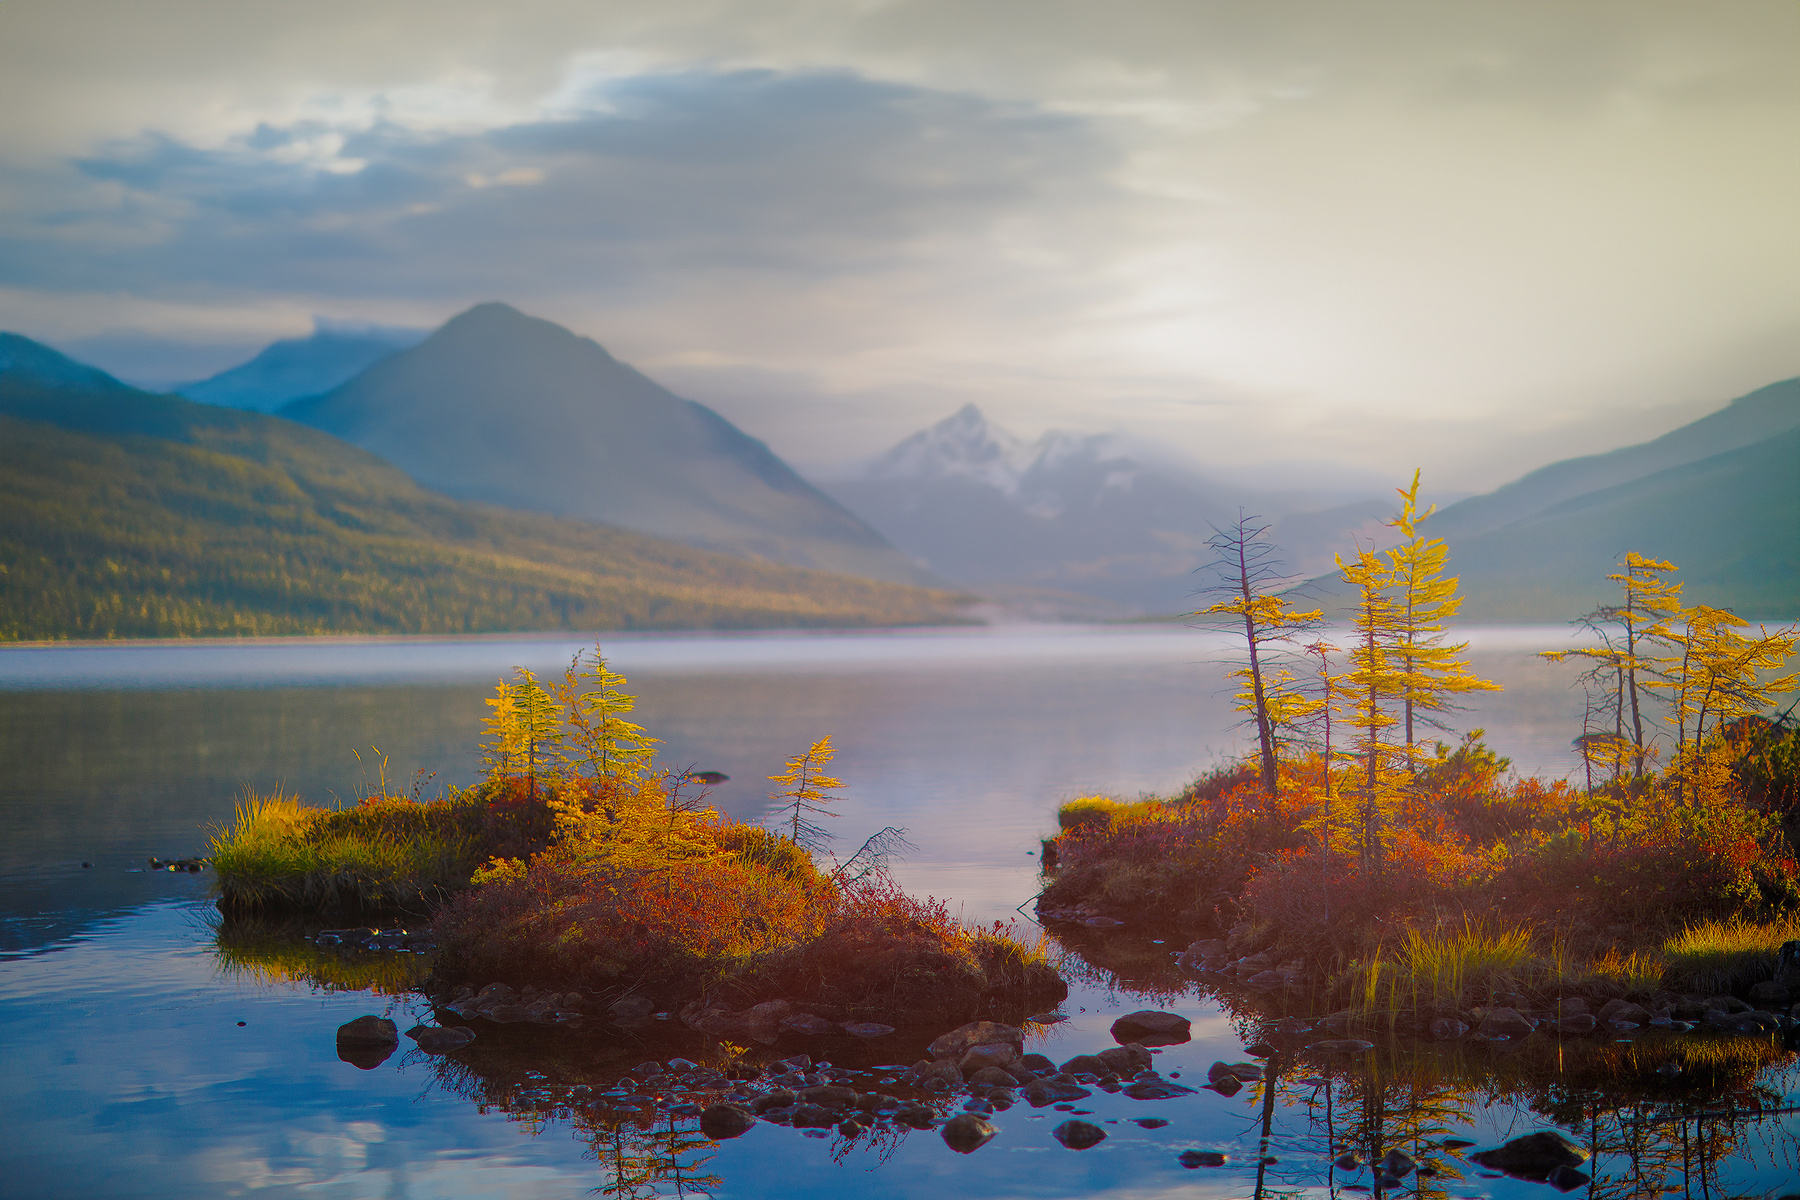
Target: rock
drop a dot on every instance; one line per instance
(992, 1054)
(1504, 1022)
(1669, 1069)
(1725, 1004)
(1126, 1061)
(867, 1029)
(368, 1031)
(776, 1099)
(1347, 1161)
(991, 1077)
(1037, 1064)
(1341, 1046)
(946, 1074)
(1568, 1005)
(1086, 1064)
(961, 1040)
(1048, 1018)
(1208, 948)
(916, 1116)
(1038, 1094)
(814, 1116)
(1267, 981)
(1201, 1158)
(807, 1025)
(1397, 1164)
(1623, 1010)
(1151, 1028)
(344, 937)
(436, 1039)
(1448, 1029)
(1535, 1155)
(1566, 1179)
(1078, 1135)
(1575, 1023)
(1770, 995)
(721, 1121)
(1149, 1122)
(1226, 1085)
(968, 1132)
(1157, 1089)
(828, 1095)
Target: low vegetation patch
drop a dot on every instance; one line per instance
(579, 865)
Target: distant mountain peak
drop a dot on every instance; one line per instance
(963, 445)
(19, 355)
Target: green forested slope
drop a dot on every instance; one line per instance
(129, 515)
(1730, 522)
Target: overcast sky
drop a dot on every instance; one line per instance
(1469, 236)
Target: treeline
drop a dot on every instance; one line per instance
(280, 530)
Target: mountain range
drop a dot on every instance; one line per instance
(1076, 517)
(512, 410)
(128, 514)
(292, 368)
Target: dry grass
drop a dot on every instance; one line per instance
(1724, 956)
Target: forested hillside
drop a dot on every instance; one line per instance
(124, 514)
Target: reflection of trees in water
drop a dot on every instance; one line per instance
(1648, 1139)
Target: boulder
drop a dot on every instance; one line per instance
(1770, 994)
(1201, 1158)
(1725, 1004)
(1623, 1010)
(814, 1116)
(1151, 1028)
(1126, 1061)
(1533, 1156)
(964, 1038)
(1154, 1088)
(1504, 1022)
(1037, 1064)
(1448, 1029)
(1397, 1164)
(1087, 1064)
(368, 1031)
(1078, 1135)
(968, 1132)
(992, 1054)
(775, 1099)
(828, 1095)
(435, 1039)
(721, 1121)
(1226, 1085)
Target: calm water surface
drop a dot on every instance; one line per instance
(128, 1072)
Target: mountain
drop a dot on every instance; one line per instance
(1090, 515)
(285, 371)
(126, 514)
(504, 408)
(1749, 419)
(1730, 522)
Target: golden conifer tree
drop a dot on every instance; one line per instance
(1424, 600)
(503, 743)
(596, 703)
(1373, 683)
(806, 794)
(1651, 602)
(1722, 675)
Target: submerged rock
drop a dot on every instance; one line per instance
(1201, 1158)
(721, 1121)
(437, 1039)
(1078, 1135)
(1151, 1028)
(369, 1030)
(967, 1132)
(1535, 1155)
(964, 1038)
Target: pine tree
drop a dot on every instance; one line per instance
(806, 795)
(1244, 561)
(1431, 673)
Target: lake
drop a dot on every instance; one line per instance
(143, 1058)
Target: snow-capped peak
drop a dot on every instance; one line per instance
(962, 445)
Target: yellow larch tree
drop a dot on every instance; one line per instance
(1650, 604)
(1431, 672)
(1372, 685)
(805, 794)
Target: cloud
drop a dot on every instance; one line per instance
(1397, 231)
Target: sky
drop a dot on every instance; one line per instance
(1472, 237)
